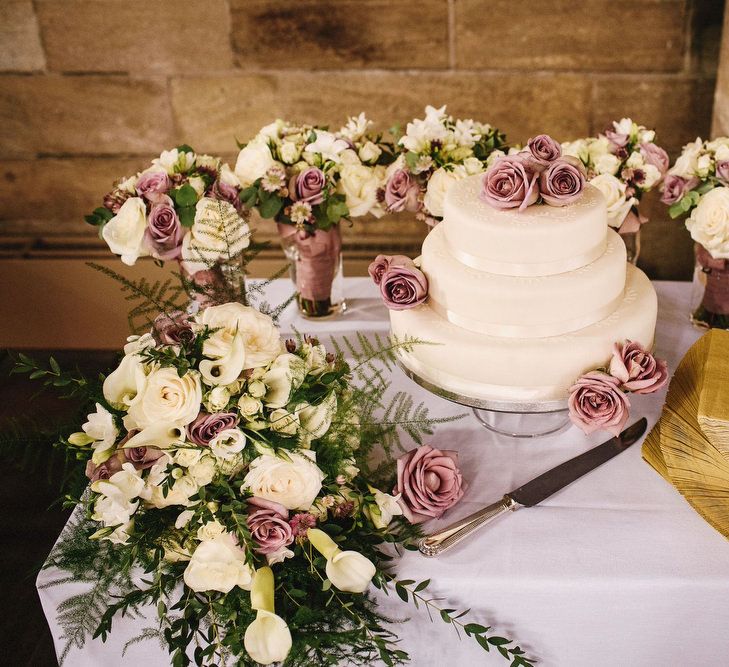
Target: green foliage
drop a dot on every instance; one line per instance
(100, 216)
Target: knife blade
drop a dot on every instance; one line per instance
(535, 491)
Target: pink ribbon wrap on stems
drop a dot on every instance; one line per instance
(716, 293)
(317, 259)
(632, 222)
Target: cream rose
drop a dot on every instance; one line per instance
(359, 185)
(438, 185)
(614, 192)
(709, 222)
(124, 233)
(167, 399)
(685, 165)
(607, 164)
(293, 482)
(369, 152)
(254, 160)
(289, 152)
(249, 407)
(218, 564)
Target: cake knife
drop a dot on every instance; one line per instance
(534, 492)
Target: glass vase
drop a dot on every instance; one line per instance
(710, 291)
(315, 261)
(223, 282)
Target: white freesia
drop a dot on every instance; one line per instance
(613, 190)
(349, 571)
(466, 133)
(101, 429)
(123, 385)
(116, 503)
(356, 127)
(387, 507)
(438, 185)
(175, 161)
(229, 442)
(167, 398)
(294, 481)
(137, 344)
(179, 493)
(254, 160)
(284, 422)
(359, 185)
(420, 133)
(709, 222)
(328, 145)
(285, 375)
(218, 565)
(685, 165)
(124, 233)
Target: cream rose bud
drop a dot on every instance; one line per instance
(472, 165)
(219, 565)
(124, 233)
(703, 165)
(197, 184)
(289, 152)
(226, 444)
(294, 481)
(369, 152)
(210, 530)
(254, 161)
(257, 388)
(607, 164)
(167, 399)
(217, 399)
(709, 222)
(614, 192)
(359, 185)
(284, 422)
(435, 193)
(249, 407)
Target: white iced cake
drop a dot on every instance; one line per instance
(521, 303)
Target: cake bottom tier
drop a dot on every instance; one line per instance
(522, 369)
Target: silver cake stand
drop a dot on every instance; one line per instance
(515, 419)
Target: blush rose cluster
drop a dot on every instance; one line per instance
(402, 284)
(540, 172)
(598, 399)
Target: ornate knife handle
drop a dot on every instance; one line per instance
(437, 543)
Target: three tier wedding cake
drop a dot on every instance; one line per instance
(527, 287)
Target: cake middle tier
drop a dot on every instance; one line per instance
(522, 307)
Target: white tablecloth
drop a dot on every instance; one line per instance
(616, 570)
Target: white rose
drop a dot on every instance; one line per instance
(577, 148)
(210, 530)
(254, 160)
(359, 185)
(614, 192)
(167, 399)
(101, 429)
(218, 565)
(703, 165)
(369, 152)
(228, 177)
(257, 388)
(187, 456)
(289, 152)
(123, 385)
(685, 165)
(472, 165)
(229, 442)
(124, 233)
(217, 399)
(709, 222)
(607, 164)
(435, 193)
(249, 407)
(294, 482)
(284, 422)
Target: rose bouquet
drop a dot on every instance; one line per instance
(308, 180)
(232, 488)
(434, 152)
(623, 163)
(698, 185)
(184, 207)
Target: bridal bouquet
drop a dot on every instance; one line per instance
(232, 489)
(623, 163)
(434, 152)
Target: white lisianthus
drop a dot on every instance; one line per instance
(613, 190)
(349, 571)
(709, 222)
(124, 385)
(217, 399)
(386, 507)
(124, 233)
(284, 422)
(229, 442)
(438, 185)
(289, 152)
(254, 160)
(210, 530)
(578, 149)
(101, 429)
(328, 145)
(167, 399)
(283, 377)
(218, 564)
(294, 482)
(359, 185)
(607, 163)
(203, 471)
(685, 164)
(249, 407)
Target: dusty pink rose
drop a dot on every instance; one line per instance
(562, 181)
(510, 183)
(596, 402)
(675, 188)
(403, 285)
(142, 457)
(206, 426)
(268, 522)
(378, 266)
(722, 171)
(637, 369)
(225, 192)
(429, 482)
(173, 328)
(164, 232)
(402, 193)
(308, 186)
(656, 156)
(104, 470)
(543, 150)
(153, 183)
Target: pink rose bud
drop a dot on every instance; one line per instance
(403, 285)
(173, 328)
(656, 156)
(675, 188)
(268, 522)
(142, 457)
(378, 267)
(104, 470)
(543, 150)
(308, 186)
(429, 482)
(510, 183)
(596, 402)
(402, 193)
(722, 171)
(206, 426)
(153, 183)
(562, 181)
(637, 369)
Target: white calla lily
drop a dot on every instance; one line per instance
(349, 571)
(267, 639)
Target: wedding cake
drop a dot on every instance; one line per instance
(522, 301)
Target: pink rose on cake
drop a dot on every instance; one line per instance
(597, 402)
(402, 284)
(561, 183)
(510, 182)
(637, 369)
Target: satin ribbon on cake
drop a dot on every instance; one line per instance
(531, 269)
(527, 330)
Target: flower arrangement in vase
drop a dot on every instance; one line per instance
(624, 163)
(309, 180)
(435, 151)
(184, 207)
(697, 185)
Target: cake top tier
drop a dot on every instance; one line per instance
(541, 240)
